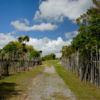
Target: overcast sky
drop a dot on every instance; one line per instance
(49, 23)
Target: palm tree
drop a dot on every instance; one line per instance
(20, 39)
(25, 38)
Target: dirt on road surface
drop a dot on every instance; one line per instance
(49, 86)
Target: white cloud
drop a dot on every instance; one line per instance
(45, 44)
(24, 27)
(26, 21)
(58, 9)
(5, 38)
(49, 46)
(70, 35)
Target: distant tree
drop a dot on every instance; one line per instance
(49, 57)
(23, 38)
(34, 54)
(0, 51)
(19, 39)
(67, 51)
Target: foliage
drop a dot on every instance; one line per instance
(29, 48)
(89, 32)
(17, 48)
(87, 43)
(49, 57)
(88, 38)
(10, 48)
(35, 54)
(23, 38)
(67, 51)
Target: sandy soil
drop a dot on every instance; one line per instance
(49, 86)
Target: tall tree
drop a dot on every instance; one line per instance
(89, 32)
(20, 39)
(23, 39)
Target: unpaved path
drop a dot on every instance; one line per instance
(49, 86)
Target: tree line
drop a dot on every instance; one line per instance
(19, 53)
(85, 47)
(51, 56)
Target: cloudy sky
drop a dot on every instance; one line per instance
(50, 24)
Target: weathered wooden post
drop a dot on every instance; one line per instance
(92, 69)
(99, 66)
(6, 67)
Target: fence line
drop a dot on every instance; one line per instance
(86, 70)
(16, 64)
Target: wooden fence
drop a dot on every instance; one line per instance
(86, 70)
(16, 64)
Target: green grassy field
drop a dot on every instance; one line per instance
(14, 86)
(82, 90)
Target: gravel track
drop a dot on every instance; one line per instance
(49, 86)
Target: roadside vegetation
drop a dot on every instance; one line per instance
(13, 87)
(82, 57)
(88, 35)
(18, 56)
(18, 62)
(49, 57)
(83, 91)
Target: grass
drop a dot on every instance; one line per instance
(50, 62)
(14, 86)
(82, 90)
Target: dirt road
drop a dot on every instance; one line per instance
(49, 86)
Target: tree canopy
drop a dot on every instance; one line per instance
(88, 38)
(10, 48)
(20, 48)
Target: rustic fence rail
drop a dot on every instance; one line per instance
(86, 70)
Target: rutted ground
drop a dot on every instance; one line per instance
(49, 86)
